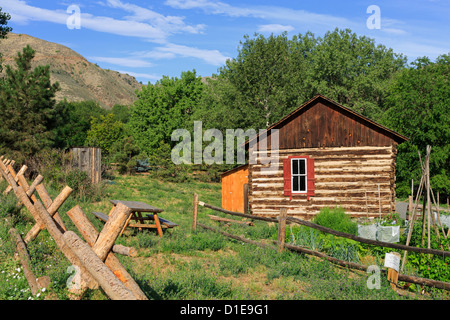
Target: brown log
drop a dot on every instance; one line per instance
(331, 231)
(352, 265)
(124, 250)
(216, 218)
(112, 286)
(57, 235)
(256, 243)
(41, 216)
(45, 197)
(25, 260)
(29, 189)
(194, 218)
(282, 229)
(90, 234)
(14, 175)
(34, 184)
(111, 230)
(52, 210)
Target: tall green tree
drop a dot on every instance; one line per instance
(272, 76)
(28, 108)
(4, 29)
(418, 107)
(104, 132)
(74, 121)
(162, 108)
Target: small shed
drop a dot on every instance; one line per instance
(235, 189)
(89, 160)
(328, 156)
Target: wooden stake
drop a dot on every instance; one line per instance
(25, 260)
(392, 276)
(367, 207)
(410, 208)
(194, 220)
(282, 229)
(379, 200)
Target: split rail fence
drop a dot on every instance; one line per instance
(280, 245)
(95, 257)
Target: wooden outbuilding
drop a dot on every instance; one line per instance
(89, 160)
(328, 156)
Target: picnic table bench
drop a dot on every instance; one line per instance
(141, 213)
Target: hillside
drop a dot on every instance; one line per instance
(79, 79)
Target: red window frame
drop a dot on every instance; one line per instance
(287, 174)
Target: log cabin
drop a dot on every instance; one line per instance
(328, 156)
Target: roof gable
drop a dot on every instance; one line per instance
(322, 122)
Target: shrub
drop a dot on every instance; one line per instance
(336, 219)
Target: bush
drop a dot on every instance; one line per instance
(336, 219)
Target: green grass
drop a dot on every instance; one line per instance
(184, 264)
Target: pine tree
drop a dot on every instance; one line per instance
(4, 18)
(28, 108)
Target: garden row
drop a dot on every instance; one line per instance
(280, 244)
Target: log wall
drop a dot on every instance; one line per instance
(348, 177)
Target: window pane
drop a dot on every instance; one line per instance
(295, 183)
(294, 166)
(302, 183)
(302, 167)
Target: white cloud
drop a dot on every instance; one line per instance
(171, 24)
(143, 23)
(141, 75)
(394, 31)
(170, 51)
(274, 28)
(124, 62)
(270, 13)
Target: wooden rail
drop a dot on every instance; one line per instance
(331, 231)
(279, 245)
(95, 258)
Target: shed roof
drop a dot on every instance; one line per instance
(395, 136)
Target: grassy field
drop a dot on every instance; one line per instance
(184, 264)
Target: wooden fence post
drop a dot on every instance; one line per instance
(194, 219)
(392, 262)
(282, 229)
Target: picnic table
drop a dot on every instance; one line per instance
(141, 213)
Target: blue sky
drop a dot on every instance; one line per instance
(150, 39)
